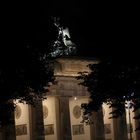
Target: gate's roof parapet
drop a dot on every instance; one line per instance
(70, 66)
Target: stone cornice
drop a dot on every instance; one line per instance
(70, 66)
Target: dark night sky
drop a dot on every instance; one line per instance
(98, 29)
(103, 29)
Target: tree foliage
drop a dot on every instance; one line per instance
(111, 83)
(26, 68)
(24, 74)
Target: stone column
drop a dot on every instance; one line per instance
(65, 127)
(36, 122)
(8, 131)
(8, 128)
(137, 123)
(120, 128)
(97, 128)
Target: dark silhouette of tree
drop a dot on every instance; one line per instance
(111, 83)
(24, 74)
(26, 66)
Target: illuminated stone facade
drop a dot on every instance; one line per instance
(59, 116)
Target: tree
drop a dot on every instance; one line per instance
(27, 68)
(111, 83)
